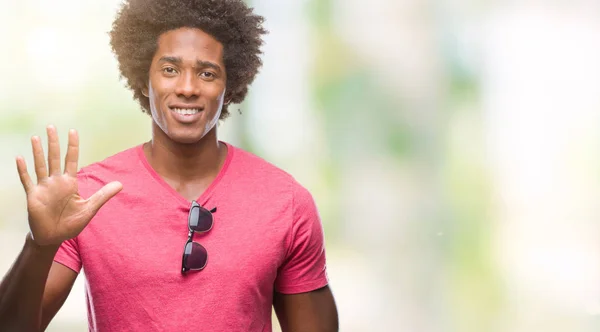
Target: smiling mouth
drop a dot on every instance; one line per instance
(186, 111)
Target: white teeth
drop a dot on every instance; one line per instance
(186, 111)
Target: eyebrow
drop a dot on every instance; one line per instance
(199, 63)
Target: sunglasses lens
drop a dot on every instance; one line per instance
(194, 256)
(200, 219)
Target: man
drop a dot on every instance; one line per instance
(184, 232)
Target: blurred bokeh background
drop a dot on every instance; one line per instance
(452, 147)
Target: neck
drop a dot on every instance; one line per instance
(185, 162)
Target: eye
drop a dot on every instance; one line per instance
(169, 70)
(207, 74)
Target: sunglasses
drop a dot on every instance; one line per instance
(195, 256)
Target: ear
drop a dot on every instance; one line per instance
(144, 83)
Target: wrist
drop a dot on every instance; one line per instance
(50, 249)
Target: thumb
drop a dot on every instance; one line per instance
(97, 200)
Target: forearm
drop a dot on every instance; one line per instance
(22, 288)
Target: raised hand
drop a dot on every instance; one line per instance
(56, 211)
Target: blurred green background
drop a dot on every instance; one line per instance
(451, 146)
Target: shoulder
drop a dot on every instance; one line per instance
(116, 167)
(251, 171)
(116, 163)
(256, 169)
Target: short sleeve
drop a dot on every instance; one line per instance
(304, 268)
(68, 255)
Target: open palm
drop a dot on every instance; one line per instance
(56, 211)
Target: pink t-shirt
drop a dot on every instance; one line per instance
(267, 236)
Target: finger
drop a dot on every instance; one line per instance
(72, 157)
(53, 151)
(23, 175)
(38, 159)
(97, 200)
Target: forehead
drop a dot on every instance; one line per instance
(190, 44)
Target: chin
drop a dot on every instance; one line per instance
(186, 138)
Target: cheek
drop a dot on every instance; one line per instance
(217, 94)
(155, 108)
(157, 91)
(152, 99)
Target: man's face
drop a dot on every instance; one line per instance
(187, 84)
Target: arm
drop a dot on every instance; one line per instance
(34, 289)
(303, 300)
(58, 286)
(312, 311)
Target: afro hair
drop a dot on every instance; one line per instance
(139, 23)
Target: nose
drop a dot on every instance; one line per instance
(187, 86)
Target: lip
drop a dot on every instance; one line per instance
(186, 118)
(186, 106)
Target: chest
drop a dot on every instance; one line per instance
(140, 248)
(190, 191)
